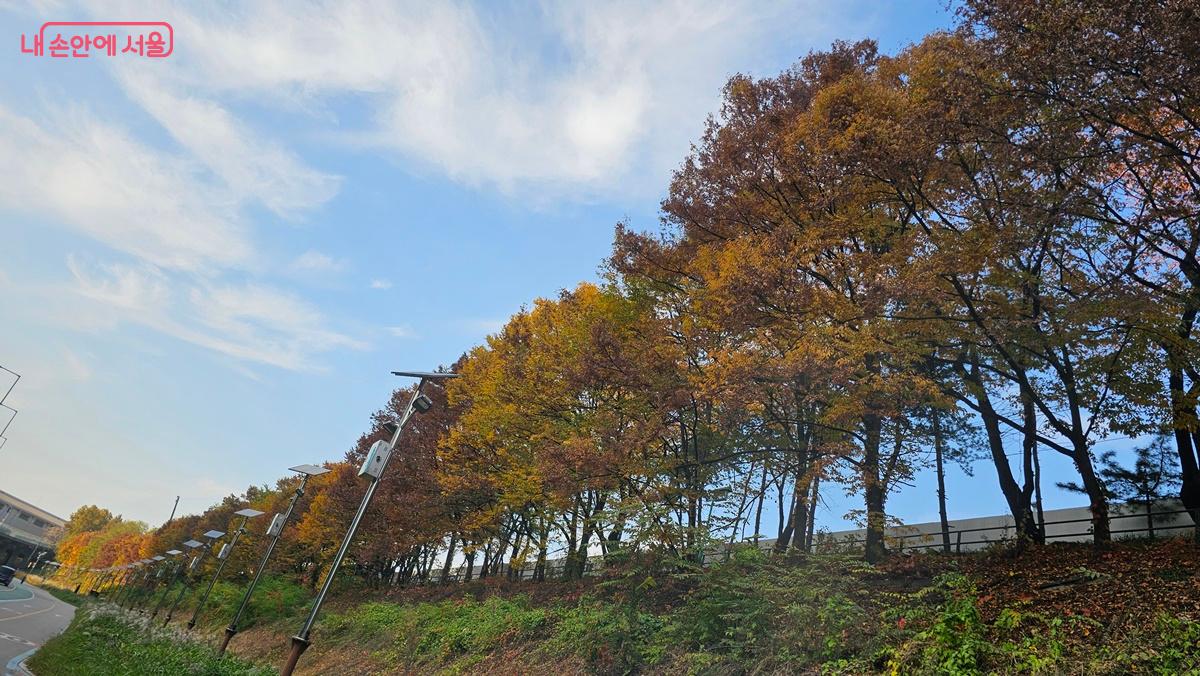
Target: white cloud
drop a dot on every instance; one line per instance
(180, 217)
(381, 284)
(76, 365)
(403, 331)
(98, 180)
(143, 289)
(315, 261)
(247, 321)
(582, 97)
(486, 326)
(250, 166)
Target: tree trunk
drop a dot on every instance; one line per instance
(1028, 452)
(1095, 493)
(758, 510)
(873, 489)
(810, 528)
(1183, 422)
(470, 566)
(449, 558)
(938, 453)
(1013, 495)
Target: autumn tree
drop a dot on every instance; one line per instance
(1123, 80)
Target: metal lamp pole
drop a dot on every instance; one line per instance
(151, 581)
(373, 466)
(149, 568)
(196, 564)
(223, 556)
(132, 572)
(275, 530)
(141, 582)
(176, 569)
(137, 576)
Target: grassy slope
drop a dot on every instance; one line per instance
(1059, 609)
(102, 640)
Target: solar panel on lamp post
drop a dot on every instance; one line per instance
(133, 571)
(141, 570)
(223, 557)
(175, 567)
(151, 582)
(197, 562)
(373, 467)
(151, 567)
(275, 531)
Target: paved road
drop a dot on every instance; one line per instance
(28, 618)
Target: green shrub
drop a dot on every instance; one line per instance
(727, 612)
(1171, 647)
(955, 643)
(611, 636)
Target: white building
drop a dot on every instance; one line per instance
(24, 529)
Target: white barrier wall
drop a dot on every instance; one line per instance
(1062, 525)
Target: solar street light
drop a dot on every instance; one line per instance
(176, 569)
(154, 572)
(223, 557)
(274, 531)
(126, 576)
(197, 561)
(374, 469)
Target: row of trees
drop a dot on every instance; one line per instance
(977, 251)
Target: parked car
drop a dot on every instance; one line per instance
(6, 575)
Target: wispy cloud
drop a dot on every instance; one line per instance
(381, 284)
(246, 321)
(178, 220)
(96, 179)
(315, 261)
(480, 325)
(250, 165)
(472, 93)
(403, 331)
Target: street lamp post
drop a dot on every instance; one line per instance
(28, 561)
(223, 557)
(151, 581)
(133, 572)
(175, 569)
(151, 569)
(373, 467)
(275, 531)
(195, 566)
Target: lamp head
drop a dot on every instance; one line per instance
(422, 403)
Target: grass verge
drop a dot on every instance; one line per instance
(103, 640)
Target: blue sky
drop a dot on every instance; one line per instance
(211, 261)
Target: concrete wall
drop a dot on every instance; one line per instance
(966, 535)
(1062, 525)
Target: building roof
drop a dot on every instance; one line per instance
(31, 509)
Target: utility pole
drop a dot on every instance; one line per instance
(172, 517)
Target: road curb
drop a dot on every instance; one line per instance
(16, 666)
